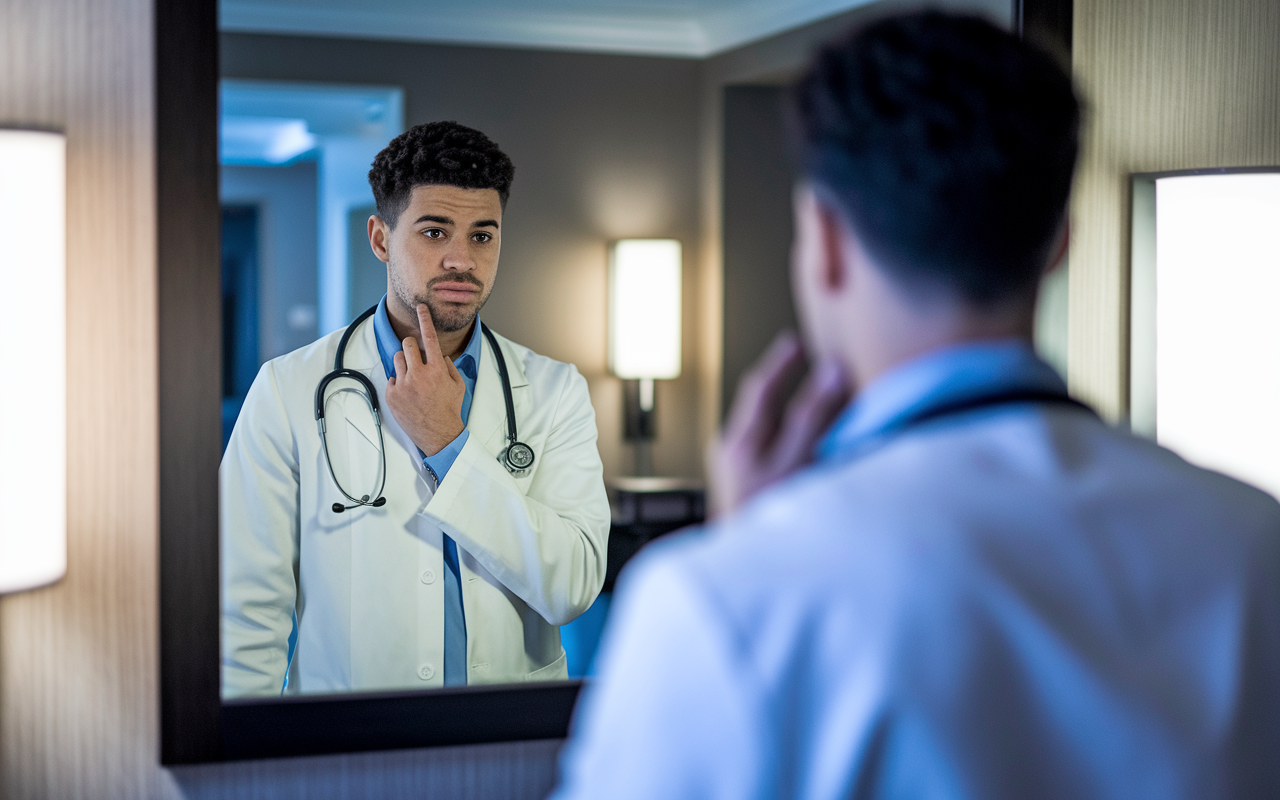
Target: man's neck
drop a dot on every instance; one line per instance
(405, 323)
(903, 332)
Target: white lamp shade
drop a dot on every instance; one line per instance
(1217, 374)
(644, 308)
(33, 404)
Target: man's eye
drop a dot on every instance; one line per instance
(433, 233)
(482, 237)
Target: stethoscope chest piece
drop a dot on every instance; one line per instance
(518, 457)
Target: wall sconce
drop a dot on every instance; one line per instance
(33, 439)
(1205, 338)
(644, 330)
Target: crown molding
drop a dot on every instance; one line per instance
(695, 33)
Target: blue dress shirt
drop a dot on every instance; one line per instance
(947, 376)
(455, 626)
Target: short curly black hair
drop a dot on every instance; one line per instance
(437, 154)
(948, 144)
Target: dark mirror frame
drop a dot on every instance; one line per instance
(195, 725)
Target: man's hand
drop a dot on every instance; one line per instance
(767, 438)
(425, 396)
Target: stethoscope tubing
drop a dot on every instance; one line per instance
(371, 399)
(516, 458)
(515, 448)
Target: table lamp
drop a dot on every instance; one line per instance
(644, 331)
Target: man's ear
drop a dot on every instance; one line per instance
(832, 233)
(379, 238)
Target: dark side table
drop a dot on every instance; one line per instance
(646, 508)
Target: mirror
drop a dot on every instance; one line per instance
(614, 135)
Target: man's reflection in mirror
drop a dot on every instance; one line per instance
(412, 501)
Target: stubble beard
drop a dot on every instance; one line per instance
(447, 317)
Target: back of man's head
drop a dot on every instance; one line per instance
(948, 145)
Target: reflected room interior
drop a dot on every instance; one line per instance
(618, 149)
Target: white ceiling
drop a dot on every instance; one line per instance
(653, 27)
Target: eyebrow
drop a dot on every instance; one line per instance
(484, 223)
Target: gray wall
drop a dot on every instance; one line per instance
(605, 147)
(757, 227)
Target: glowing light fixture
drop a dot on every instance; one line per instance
(33, 438)
(644, 309)
(1211, 391)
(644, 327)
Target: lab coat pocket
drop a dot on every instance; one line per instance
(557, 670)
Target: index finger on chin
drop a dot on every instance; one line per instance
(758, 404)
(428, 327)
(810, 413)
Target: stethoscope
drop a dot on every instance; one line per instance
(962, 406)
(516, 457)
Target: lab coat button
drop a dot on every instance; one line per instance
(426, 672)
(429, 576)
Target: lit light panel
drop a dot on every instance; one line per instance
(33, 405)
(644, 308)
(1217, 313)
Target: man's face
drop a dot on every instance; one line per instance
(443, 252)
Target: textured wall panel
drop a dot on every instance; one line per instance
(78, 699)
(1171, 84)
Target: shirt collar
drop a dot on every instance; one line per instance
(941, 377)
(389, 344)
(468, 362)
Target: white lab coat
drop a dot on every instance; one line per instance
(1013, 603)
(367, 585)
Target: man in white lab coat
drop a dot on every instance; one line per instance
(977, 588)
(422, 546)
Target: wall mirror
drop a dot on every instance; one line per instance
(267, 116)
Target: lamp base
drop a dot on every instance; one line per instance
(638, 422)
(638, 407)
